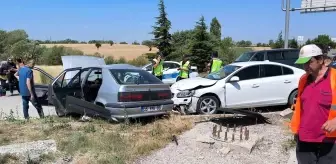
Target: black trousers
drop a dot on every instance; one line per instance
(315, 153)
(159, 77)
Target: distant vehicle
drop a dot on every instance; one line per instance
(89, 87)
(170, 73)
(237, 86)
(284, 56)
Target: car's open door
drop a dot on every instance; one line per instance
(42, 88)
(63, 86)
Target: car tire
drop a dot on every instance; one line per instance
(211, 100)
(292, 98)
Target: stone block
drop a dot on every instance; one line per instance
(287, 113)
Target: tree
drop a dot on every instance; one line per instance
(162, 37)
(181, 43)
(308, 41)
(244, 43)
(148, 43)
(201, 46)
(271, 43)
(215, 28)
(279, 42)
(226, 50)
(136, 43)
(98, 45)
(111, 43)
(324, 41)
(293, 43)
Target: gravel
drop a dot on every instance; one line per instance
(189, 150)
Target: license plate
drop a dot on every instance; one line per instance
(151, 108)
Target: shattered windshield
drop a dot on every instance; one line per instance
(224, 72)
(245, 57)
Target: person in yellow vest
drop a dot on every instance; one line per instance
(314, 119)
(184, 68)
(158, 66)
(215, 63)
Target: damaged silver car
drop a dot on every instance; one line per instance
(88, 86)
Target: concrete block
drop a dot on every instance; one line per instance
(225, 150)
(287, 113)
(292, 157)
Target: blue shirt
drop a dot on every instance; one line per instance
(332, 64)
(25, 73)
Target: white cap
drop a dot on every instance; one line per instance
(307, 52)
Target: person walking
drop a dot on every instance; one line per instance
(158, 66)
(184, 68)
(215, 63)
(314, 119)
(27, 89)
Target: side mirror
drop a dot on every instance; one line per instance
(234, 79)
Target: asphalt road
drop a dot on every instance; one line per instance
(14, 103)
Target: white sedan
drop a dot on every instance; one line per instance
(237, 86)
(171, 72)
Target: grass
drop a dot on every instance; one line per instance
(96, 141)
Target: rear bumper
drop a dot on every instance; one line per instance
(134, 109)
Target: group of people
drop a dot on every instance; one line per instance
(215, 64)
(24, 74)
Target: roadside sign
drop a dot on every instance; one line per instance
(300, 38)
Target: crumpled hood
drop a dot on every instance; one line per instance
(191, 83)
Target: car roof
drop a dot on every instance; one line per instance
(250, 63)
(277, 49)
(119, 66)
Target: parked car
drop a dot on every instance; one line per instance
(170, 73)
(237, 86)
(284, 56)
(89, 87)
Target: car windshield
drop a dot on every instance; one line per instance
(134, 76)
(224, 72)
(245, 57)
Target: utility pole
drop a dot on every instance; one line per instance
(287, 23)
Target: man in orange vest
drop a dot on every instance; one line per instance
(314, 118)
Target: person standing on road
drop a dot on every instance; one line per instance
(27, 89)
(158, 66)
(215, 63)
(314, 119)
(10, 75)
(184, 68)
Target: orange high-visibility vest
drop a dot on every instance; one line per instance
(295, 122)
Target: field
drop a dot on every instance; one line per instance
(117, 50)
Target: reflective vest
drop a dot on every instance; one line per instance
(158, 70)
(295, 122)
(184, 74)
(216, 65)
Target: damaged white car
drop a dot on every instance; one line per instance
(238, 86)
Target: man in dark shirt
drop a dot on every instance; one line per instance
(27, 89)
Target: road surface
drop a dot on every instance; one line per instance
(14, 103)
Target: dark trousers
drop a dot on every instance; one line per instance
(315, 153)
(35, 102)
(11, 79)
(159, 77)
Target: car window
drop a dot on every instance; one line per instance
(258, 57)
(271, 70)
(174, 65)
(166, 65)
(68, 80)
(252, 72)
(245, 57)
(294, 54)
(95, 77)
(274, 55)
(134, 76)
(287, 71)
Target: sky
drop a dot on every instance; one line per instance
(132, 20)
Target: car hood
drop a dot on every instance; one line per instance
(192, 83)
(81, 61)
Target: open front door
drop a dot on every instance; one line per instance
(63, 86)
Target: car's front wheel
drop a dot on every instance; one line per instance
(207, 105)
(292, 97)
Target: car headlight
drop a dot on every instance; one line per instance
(184, 94)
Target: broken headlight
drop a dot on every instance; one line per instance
(186, 93)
